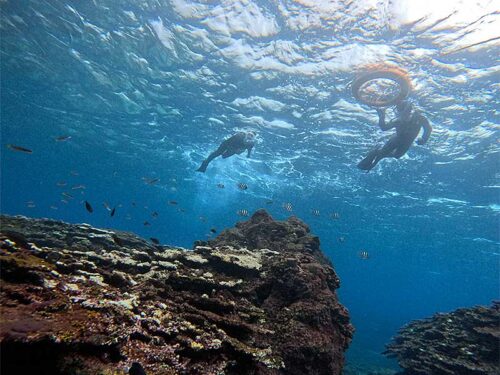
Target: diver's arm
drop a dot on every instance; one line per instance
(381, 120)
(427, 131)
(248, 152)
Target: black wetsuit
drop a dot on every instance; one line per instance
(236, 144)
(407, 129)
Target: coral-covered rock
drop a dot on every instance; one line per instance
(258, 299)
(465, 341)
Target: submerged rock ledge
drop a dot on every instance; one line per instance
(465, 341)
(258, 299)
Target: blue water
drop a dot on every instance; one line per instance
(148, 89)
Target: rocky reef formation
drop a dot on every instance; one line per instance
(258, 299)
(463, 342)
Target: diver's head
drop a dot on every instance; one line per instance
(250, 137)
(404, 109)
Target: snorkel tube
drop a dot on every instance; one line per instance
(367, 76)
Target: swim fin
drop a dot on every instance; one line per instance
(203, 167)
(368, 162)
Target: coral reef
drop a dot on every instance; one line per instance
(465, 341)
(258, 299)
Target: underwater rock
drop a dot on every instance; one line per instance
(258, 299)
(465, 341)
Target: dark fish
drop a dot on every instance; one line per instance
(63, 138)
(315, 212)
(133, 204)
(242, 186)
(363, 254)
(147, 223)
(88, 207)
(156, 241)
(242, 213)
(335, 215)
(341, 239)
(173, 203)
(19, 148)
(220, 186)
(136, 369)
(288, 207)
(269, 202)
(154, 214)
(150, 181)
(112, 213)
(182, 210)
(213, 230)
(78, 187)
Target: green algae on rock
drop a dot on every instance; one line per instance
(258, 299)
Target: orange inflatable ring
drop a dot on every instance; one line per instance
(381, 72)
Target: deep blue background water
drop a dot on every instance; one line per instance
(429, 221)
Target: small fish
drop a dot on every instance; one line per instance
(74, 173)
(67, 195)
(213, 230)
(335, 215)
(147, 223)
(112, 213)
(288, 207)
(154, 214)
(341, 239)
(78, 187)
(242, 186)
(156, 241)
(203, 219)
(30, 204)
(242, 213)
(181, 209)
(128, 217)
(63, 138)
(150, 181)
(54, 207)
(172, 203)
(106, 206)
(19, 148)
(315, 212)
(61, 183)
(133, 204)
(269, 202)
(64, 201)
(363, 254)
(88, 207)
(220, 185)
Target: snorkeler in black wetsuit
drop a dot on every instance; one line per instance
(237, 144)
(408, 124)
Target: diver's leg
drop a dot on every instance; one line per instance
(367, 163)
(212, 156)
(372, 159)
(403, 147)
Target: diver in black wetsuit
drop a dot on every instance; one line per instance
(408, 124)
(237, 144)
